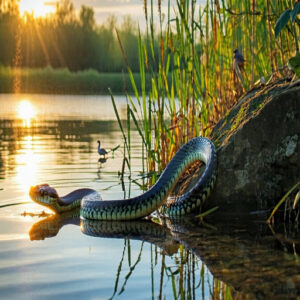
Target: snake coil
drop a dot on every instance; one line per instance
(93, 207)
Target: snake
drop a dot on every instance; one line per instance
(156, 198)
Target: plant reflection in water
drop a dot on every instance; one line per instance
(248, 257)
(186, 273)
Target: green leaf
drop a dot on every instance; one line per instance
(294, 64)
(134, 85)
(190, 66)
(137, 126)
(118, 117)
(115, 148)
(282, 21)
(295, 12)
(131, 103)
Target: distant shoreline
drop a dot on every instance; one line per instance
(62, 81)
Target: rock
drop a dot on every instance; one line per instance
(258, 146)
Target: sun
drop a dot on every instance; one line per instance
(39, 8)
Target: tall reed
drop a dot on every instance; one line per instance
(189, 59)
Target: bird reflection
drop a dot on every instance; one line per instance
(102, 160)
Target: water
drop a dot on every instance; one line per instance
(53, 139)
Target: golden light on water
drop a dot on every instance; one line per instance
(38, 8)
(26, 112)
(27, 163)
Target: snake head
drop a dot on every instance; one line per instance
(45, 195)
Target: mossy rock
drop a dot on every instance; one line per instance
(258, 144)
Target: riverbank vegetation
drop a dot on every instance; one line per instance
(64, 52)
(65, 39)
(187, 78)
(196, 51)
(62, 81)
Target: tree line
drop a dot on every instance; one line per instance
(65, 39)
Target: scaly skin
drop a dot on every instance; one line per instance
(197, 149)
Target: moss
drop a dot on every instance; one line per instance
(239, 118)
(229, 124)
(218, 140)
(250, 105)
(257, 104)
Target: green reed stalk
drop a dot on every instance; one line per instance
(283, 199)
(131, 269)
(119, 271)
(188, 64)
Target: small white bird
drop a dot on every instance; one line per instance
(101, 151)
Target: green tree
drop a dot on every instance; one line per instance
(129, 37)
(9, 31)
(87, 18)
(65, 40)
(65, 11)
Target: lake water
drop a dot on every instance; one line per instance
(53, 139)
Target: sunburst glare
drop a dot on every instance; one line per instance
(38, 8)
(26, 112)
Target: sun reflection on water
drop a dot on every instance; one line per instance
(27, 164)
(26, 112)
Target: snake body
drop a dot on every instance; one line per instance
(92, 207)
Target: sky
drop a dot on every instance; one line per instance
(119, 8)
(103, 8)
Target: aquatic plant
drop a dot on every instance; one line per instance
(189, 58)
(285, 199)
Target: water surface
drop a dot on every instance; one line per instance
(53, 139)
